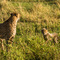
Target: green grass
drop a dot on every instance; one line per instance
(29, 43)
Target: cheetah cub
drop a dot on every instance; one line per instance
(49, 36)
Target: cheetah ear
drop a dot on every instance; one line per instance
(15, 14)
(11, 14)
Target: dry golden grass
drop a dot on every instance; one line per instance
(29, 43)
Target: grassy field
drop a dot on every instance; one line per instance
(29, 43)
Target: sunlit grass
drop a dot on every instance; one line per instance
(29, 43)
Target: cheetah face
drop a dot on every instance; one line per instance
(17, 15)
(44, 30)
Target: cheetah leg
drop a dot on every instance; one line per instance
(11, 40)
(1, 43)
(55, 40)
(6, 45)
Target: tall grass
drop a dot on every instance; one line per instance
(29, 43)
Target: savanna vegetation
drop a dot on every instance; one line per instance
(29, 43)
